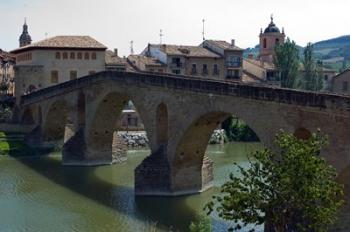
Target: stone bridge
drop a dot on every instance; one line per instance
(179, 114)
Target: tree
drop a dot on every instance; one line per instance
(287, 63)
(313, 71)
(292, 190)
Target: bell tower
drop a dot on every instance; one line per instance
(268, 40)
(25, 38)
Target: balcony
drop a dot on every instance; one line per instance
(176, 65)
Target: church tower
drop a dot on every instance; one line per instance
(268, 40)
(25, 38)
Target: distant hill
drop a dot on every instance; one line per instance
(333, 52)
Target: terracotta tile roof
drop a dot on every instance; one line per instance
(67, 42)
(6, 56)
(265, 65)
(224, 45)
(147, 60)
(188, 51)
(112, 59)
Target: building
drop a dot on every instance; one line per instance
(56, 60)
(146, 63)
(328, 76)
(115, 63)
(212, 59)
(7, 74)
(341, 83)
(25, 39)
(268, 41)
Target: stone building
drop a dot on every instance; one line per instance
(212, 59)
(25, 39)
(146, 63)
(7, 74)
(116, 63)
(56, 60)
(341, 83)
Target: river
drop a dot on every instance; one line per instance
(39, 194)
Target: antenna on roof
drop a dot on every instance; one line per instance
(160, 36)
(46, 34)
(203, 32)
(131, 47)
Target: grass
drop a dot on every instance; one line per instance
(13, 144)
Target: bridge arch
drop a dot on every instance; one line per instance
(55, 120)
(27, 117)
(190, 166)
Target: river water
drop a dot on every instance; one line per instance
(39, 194)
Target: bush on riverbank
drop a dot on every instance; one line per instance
(13, 144)
(293, 189)
(238, 131)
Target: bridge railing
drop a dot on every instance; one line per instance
(195, 84)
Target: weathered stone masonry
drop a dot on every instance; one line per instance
(179, 115)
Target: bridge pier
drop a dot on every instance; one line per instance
(155, 177)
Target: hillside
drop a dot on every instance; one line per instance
(333, 52)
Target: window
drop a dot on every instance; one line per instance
(92, 72)
(72, 55)
(175, 71)
(205, 69)
(151, 70)
(234, 61)
(265, 43)
(232, 74)
(345, 86)
(93, 56)
(86, 56)
(160, 70)
(80, 56)
(58, 55)
(194, 69)
(54, 77)
(65, 55)
(277, 41)
(326, 77)
(176, 62)
(215, 69)
(73, 75)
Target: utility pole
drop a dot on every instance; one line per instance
(160, 36)
(132, 47)
(203, 32)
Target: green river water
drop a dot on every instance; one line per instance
(39, 194)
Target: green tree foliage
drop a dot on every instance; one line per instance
(293, 190)
(287, 63)
(313, 71)
(203, 225)
(237, 130)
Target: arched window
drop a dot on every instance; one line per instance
(58, 55)
(265, 43)
(86, 56)
(65, 55)
(80, 56)
(72, 55)
(277, 41)
(93, 56)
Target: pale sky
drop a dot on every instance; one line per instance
(116, 22)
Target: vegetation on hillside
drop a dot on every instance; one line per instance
(293, 189)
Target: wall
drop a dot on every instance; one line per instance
(338, 83)
(199, 61)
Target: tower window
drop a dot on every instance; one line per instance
(65, 55)
(54, 76)
(72, 55)
(93, 56)
(80, 56)
(265, 43)
(86, 56)
(58, 55)
(277, 41)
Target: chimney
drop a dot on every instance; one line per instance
(116, 51)
(233, 43)
(251, 56)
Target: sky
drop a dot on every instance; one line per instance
(117, 22)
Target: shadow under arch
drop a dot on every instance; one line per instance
(27, 117)
(192, 170)
(55, 121)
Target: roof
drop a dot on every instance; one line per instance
(272, 28)
(301, 68)
(224, 45)
(112, 59)
(64, 42)
(261, 64)
(146, 60)
(342, 73)
(6, 56)
(188, 51)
